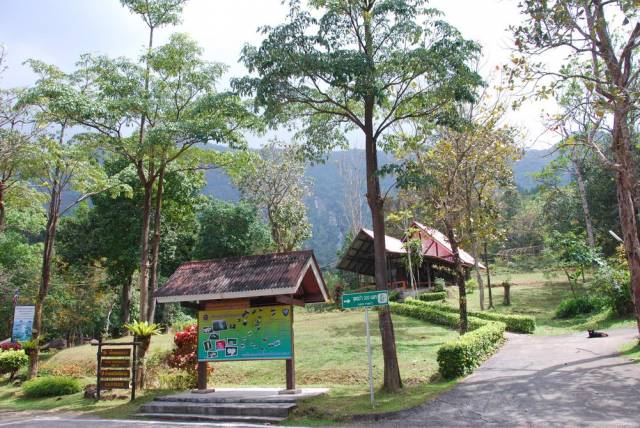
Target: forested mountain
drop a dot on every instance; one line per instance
(337, 182)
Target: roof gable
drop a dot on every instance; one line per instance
(292, 273)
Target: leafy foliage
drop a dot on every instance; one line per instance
(433, 297)
(275, 183)
(11, 361)
(185, 353)
(230, 230)
(50, 386)
(574, 306)
(143, 328)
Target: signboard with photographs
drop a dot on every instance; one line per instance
(262, 333)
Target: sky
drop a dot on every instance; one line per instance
(59, 31)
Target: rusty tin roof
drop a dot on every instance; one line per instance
(295, 273)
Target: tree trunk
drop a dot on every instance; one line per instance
(462, 291)
(476, 268)
(486, 265)
(629, 225)
(2, 208)
(125, 303)
(392, 379)
(588, 222)
(148, 188)
(155, 247)
(45, 277)
(143, 281)
(145, 342)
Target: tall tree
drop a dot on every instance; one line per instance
(361, 65)
(607, 35)
(64, 162)
(275, 183)
(169, 98)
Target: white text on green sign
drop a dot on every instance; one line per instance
(366, 299)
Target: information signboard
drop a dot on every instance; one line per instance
(22, 323)
(366, 299)
(262, 333)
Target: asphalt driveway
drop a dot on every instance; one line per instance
(541, 381)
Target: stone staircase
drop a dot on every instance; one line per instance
(238, 406)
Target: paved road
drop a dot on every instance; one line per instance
(71, 420)
(541, 381)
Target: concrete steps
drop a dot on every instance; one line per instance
(275, 410)
(238, 406)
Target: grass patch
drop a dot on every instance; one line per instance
(534, 294)
(631, 350)
(344, 403)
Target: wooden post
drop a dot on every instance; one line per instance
(290, 365)
(202, 375)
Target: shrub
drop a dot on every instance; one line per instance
(394, 296)
(613, 286)
(471, 285)
(439, 284)
(575, 306)
(459, 357)
(180, 380)
(433, 297)
(514, 323)
(185, 354)
(9, 345)
(11, 361)
(50, 386)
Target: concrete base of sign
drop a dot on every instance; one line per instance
(203, 391)
(289, 391)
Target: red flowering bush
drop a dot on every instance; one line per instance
(7, 346)
(185, 354)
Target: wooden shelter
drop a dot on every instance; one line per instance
(244, 283)
(437, 258)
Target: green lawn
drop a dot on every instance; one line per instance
(534, 294)
(330, 352)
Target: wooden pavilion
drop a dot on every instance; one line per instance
(437, 258)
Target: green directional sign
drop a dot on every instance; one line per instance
(365, 300)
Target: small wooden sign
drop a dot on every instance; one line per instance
(114, 384)
(115, 352)
(114, 373)
(111, 362)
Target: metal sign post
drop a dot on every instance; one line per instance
(366, 322)
(367, 300)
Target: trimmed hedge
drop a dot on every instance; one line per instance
(431, 314)
(433, 297)
(50, 386)
(458, 357)
(515, 323)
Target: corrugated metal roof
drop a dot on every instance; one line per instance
(250, 276)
